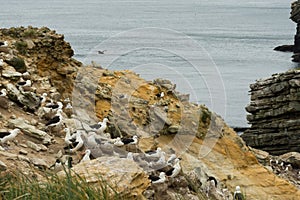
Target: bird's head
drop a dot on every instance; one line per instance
(105, 120)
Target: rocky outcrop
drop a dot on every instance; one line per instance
(275, 114)
(123, 175)
(295, 17)
(43, 52)
(206, 145)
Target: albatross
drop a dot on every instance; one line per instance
(158, 179)
(3, 92)
(133, 140)
(86, 155)
(175, 170)
(9, 135)
(101, 126)
(56, 120)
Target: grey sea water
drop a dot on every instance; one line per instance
(238, 37)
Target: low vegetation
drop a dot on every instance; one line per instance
(21, 186)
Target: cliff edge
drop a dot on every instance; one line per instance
(153, 111)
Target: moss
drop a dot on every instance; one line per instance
(21, 46)
(29, 33)
(206, 115)
(18, 63)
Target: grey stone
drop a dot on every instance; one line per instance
(30, 130)
(28, 99)
(39, 163)
(33, 146)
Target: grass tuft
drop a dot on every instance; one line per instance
(20, 186)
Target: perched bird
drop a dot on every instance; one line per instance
(101, 126)
(68, 138)
(211, 178)
(158, 179)
(155, 154)
(78, 142)
(118, 142)
(56, 106)
(237, 195)
(175, 170)
(10, 135)
(160, 95)
(288, 167)
(133, 140)
(4, 44)
(43, 98)
(56, 120)
(3, 92)
(86, 155)
(160, 163)
(1, 62)
(23, 83)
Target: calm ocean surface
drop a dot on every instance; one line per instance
(236, 39)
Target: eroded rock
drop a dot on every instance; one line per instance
(30, 130)
(122, 174)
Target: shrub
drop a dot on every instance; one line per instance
(21, 46)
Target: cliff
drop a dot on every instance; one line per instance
(206, 145)
(275, 113)
(295, 48)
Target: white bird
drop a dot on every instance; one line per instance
(175, 170)
(157, 153)
(161, 163)
(4, 44)
(56, 120)
(160, 179)
(55, 107)
(133, 140)
(43, 98)
(86, 156)
(68, 136)
(101, 126)
(118, 142)
(7, 136)
(288, 167)
(3, 92)
(79, 142)
(23, 83)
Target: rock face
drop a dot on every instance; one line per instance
(206, 145)
(124, 175)
(295, 17)
(275, 114)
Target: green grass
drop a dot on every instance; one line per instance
(15, 186)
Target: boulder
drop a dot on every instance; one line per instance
(292, 157)
(30, 130)
(124, 175)
(28, 99)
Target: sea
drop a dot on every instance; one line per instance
(212, 50)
